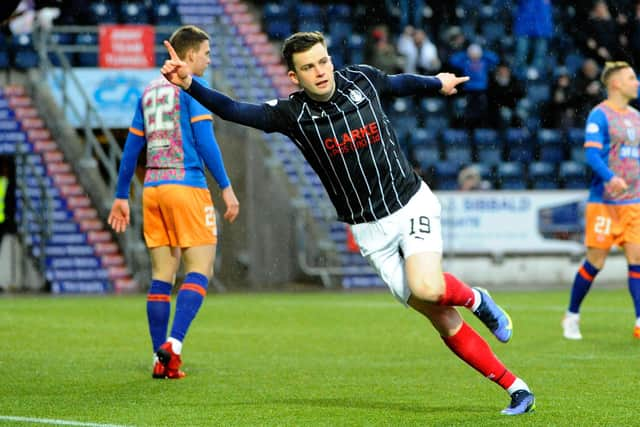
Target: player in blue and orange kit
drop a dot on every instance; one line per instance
(178, 213)
(338, 123)
(612, 141)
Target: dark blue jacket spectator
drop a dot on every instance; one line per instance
(533, 23)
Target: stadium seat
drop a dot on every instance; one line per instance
(104, 12)
(539, 93)
(89, 41)
(446, 175)
(551, 145)
(575, 138)
(25, 55)
(424, 137)
(573, 175)
(519, 145)
(489, 146)
(166, 14)
(458, 154)
(425, 156)
(455, 137)
(133, 12)
(309, 17)
(542, 176)
(510, 176)
(356, 48)
(61, 39)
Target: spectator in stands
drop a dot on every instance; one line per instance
(532, 28)
(428, 60)
(602, 35)
(559, 111)
(469, 179)
(478, 65)
(587, 90)
(382, 53)
(420, 54)
(406, 46)
(634, 35)
(408, 12)
(337, 120)
(454, 42)
(504, 92)
(179, 217)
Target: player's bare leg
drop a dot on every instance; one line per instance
(427, 282)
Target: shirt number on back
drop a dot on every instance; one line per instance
(158, 106)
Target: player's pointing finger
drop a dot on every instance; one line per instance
(172, 52)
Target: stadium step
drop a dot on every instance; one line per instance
(80, 256)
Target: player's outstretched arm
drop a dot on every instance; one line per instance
(119, 215)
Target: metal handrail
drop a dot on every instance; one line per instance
(95, 153)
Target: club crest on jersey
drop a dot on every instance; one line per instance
(356, 96)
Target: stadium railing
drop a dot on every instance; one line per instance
(96, 156)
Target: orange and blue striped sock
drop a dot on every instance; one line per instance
(634, 286)
(190, 297)
(158, 311)
(581, 285)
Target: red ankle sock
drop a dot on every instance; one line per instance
(456, 292)
(473, 349)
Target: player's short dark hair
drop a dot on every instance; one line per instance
(300, 42)
(187, 37)
(611, 67)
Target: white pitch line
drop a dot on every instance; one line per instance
(55, 422)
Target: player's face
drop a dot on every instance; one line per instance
(314, 72)
(627, 83)
(200, 59)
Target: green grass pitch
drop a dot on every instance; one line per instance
(311, 359)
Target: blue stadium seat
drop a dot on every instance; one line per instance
(425, 156)
(446, 175)
(339, 12)
(455, 137)
(519, 145)
(458, 154)
(424, 137)
(61, 39)
(309, 17)
(542, 176)
(539, 93)
(278, 28)
(551, 145)
(510, 176)
(356, 48)
(87, 59)
(166, 14)
(133, 12)
(489, 146)
(25, 55)
(573, 175)
(104, 12)
(575, 138)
